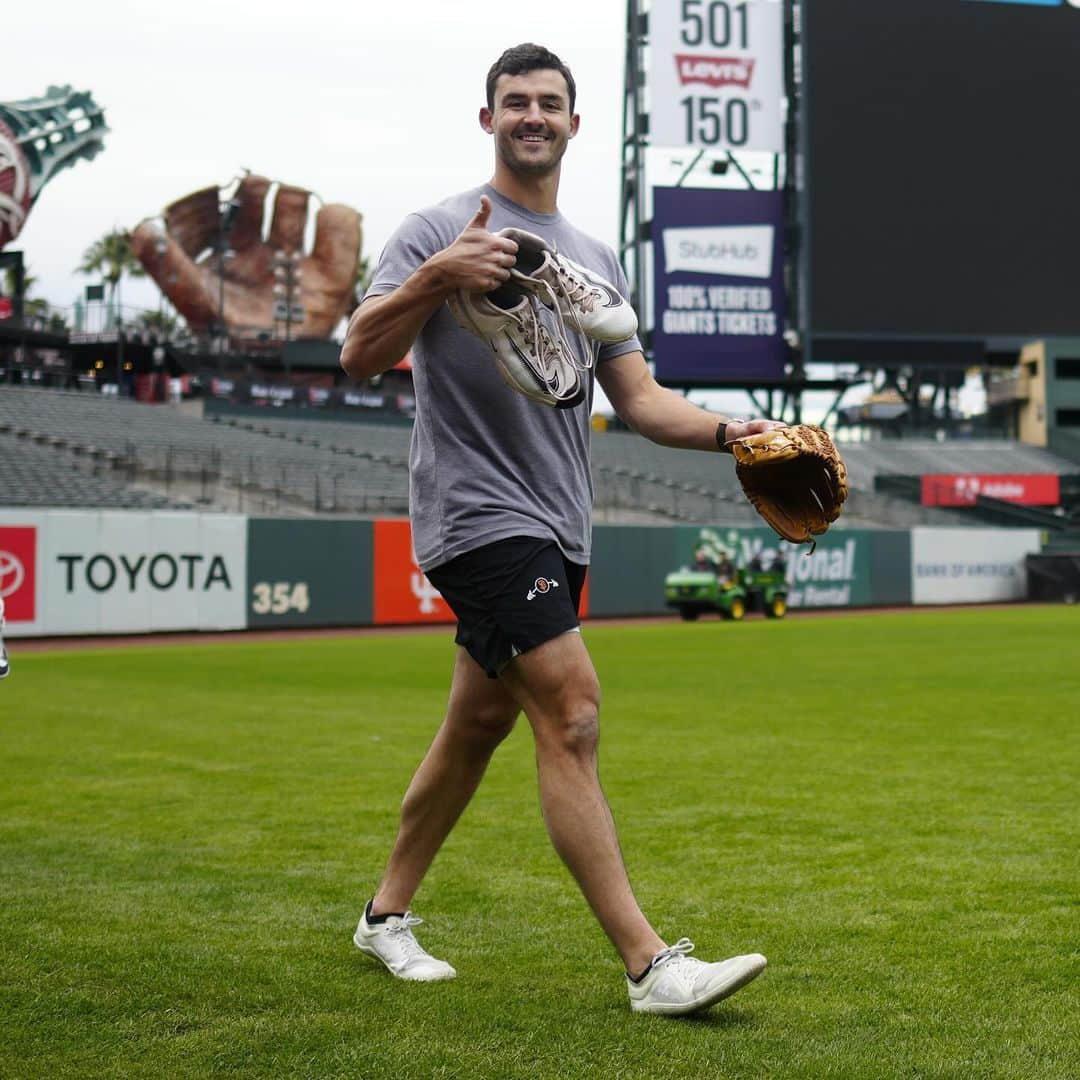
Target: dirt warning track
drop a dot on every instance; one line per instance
(247, 637)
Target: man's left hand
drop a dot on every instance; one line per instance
(739, 429)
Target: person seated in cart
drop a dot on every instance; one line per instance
(703, 561)
(725, 568)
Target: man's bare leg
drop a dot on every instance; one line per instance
(556, 686)
(480, 714)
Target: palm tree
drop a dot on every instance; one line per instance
(111, 257)
(33, 307)
(29, 281)
(161, 323)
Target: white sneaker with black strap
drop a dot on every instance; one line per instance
(587, 303)
(675, 984)
(390, 939)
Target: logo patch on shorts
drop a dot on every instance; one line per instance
(540, 586)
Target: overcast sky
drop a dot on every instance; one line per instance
(370, 104)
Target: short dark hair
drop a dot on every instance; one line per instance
(525, 58)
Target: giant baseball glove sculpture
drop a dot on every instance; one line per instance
(185, 262)
(795, 479)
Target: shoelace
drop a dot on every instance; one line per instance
(560, 323)
(673, 954)
(547, 347)
(576, 290)
(549, 351)
(403, 930)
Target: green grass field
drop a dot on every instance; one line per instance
(885, 805)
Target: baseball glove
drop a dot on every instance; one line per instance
(795, 479)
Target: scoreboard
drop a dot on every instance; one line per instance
(943, 167)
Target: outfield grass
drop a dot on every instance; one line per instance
(885, 805)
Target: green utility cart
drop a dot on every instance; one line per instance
(766, 590)
(693, 592)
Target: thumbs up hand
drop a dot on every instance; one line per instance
(480, 218)
(478, 260)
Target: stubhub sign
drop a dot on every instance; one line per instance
(734, 251)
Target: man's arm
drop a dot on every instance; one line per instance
(383, 328)
(663, 416)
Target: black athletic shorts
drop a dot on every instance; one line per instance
(509, 597)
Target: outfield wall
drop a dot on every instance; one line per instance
(108, 572)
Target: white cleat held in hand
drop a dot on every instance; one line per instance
(585, 301)
(531, 359)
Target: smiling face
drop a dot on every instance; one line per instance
(531, 121)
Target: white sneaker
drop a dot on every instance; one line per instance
(394, 944)
(528, 357)
(676, 984)
(593, 306)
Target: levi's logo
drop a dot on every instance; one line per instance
(715, 70)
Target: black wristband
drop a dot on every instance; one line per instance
(721, 435)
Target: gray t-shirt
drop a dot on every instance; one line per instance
(486, 463)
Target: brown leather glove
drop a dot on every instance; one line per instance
(795, 478)
(183, 262)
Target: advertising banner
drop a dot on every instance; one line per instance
(849, 568)
(970, 566)
(1033, 489)
(18, 572)
(125, 572)
(403, 593)
(719, 298)
(20, 579)
(308, 573)
(716, 74)
(837, 574)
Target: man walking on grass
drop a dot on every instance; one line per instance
(511, 313)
